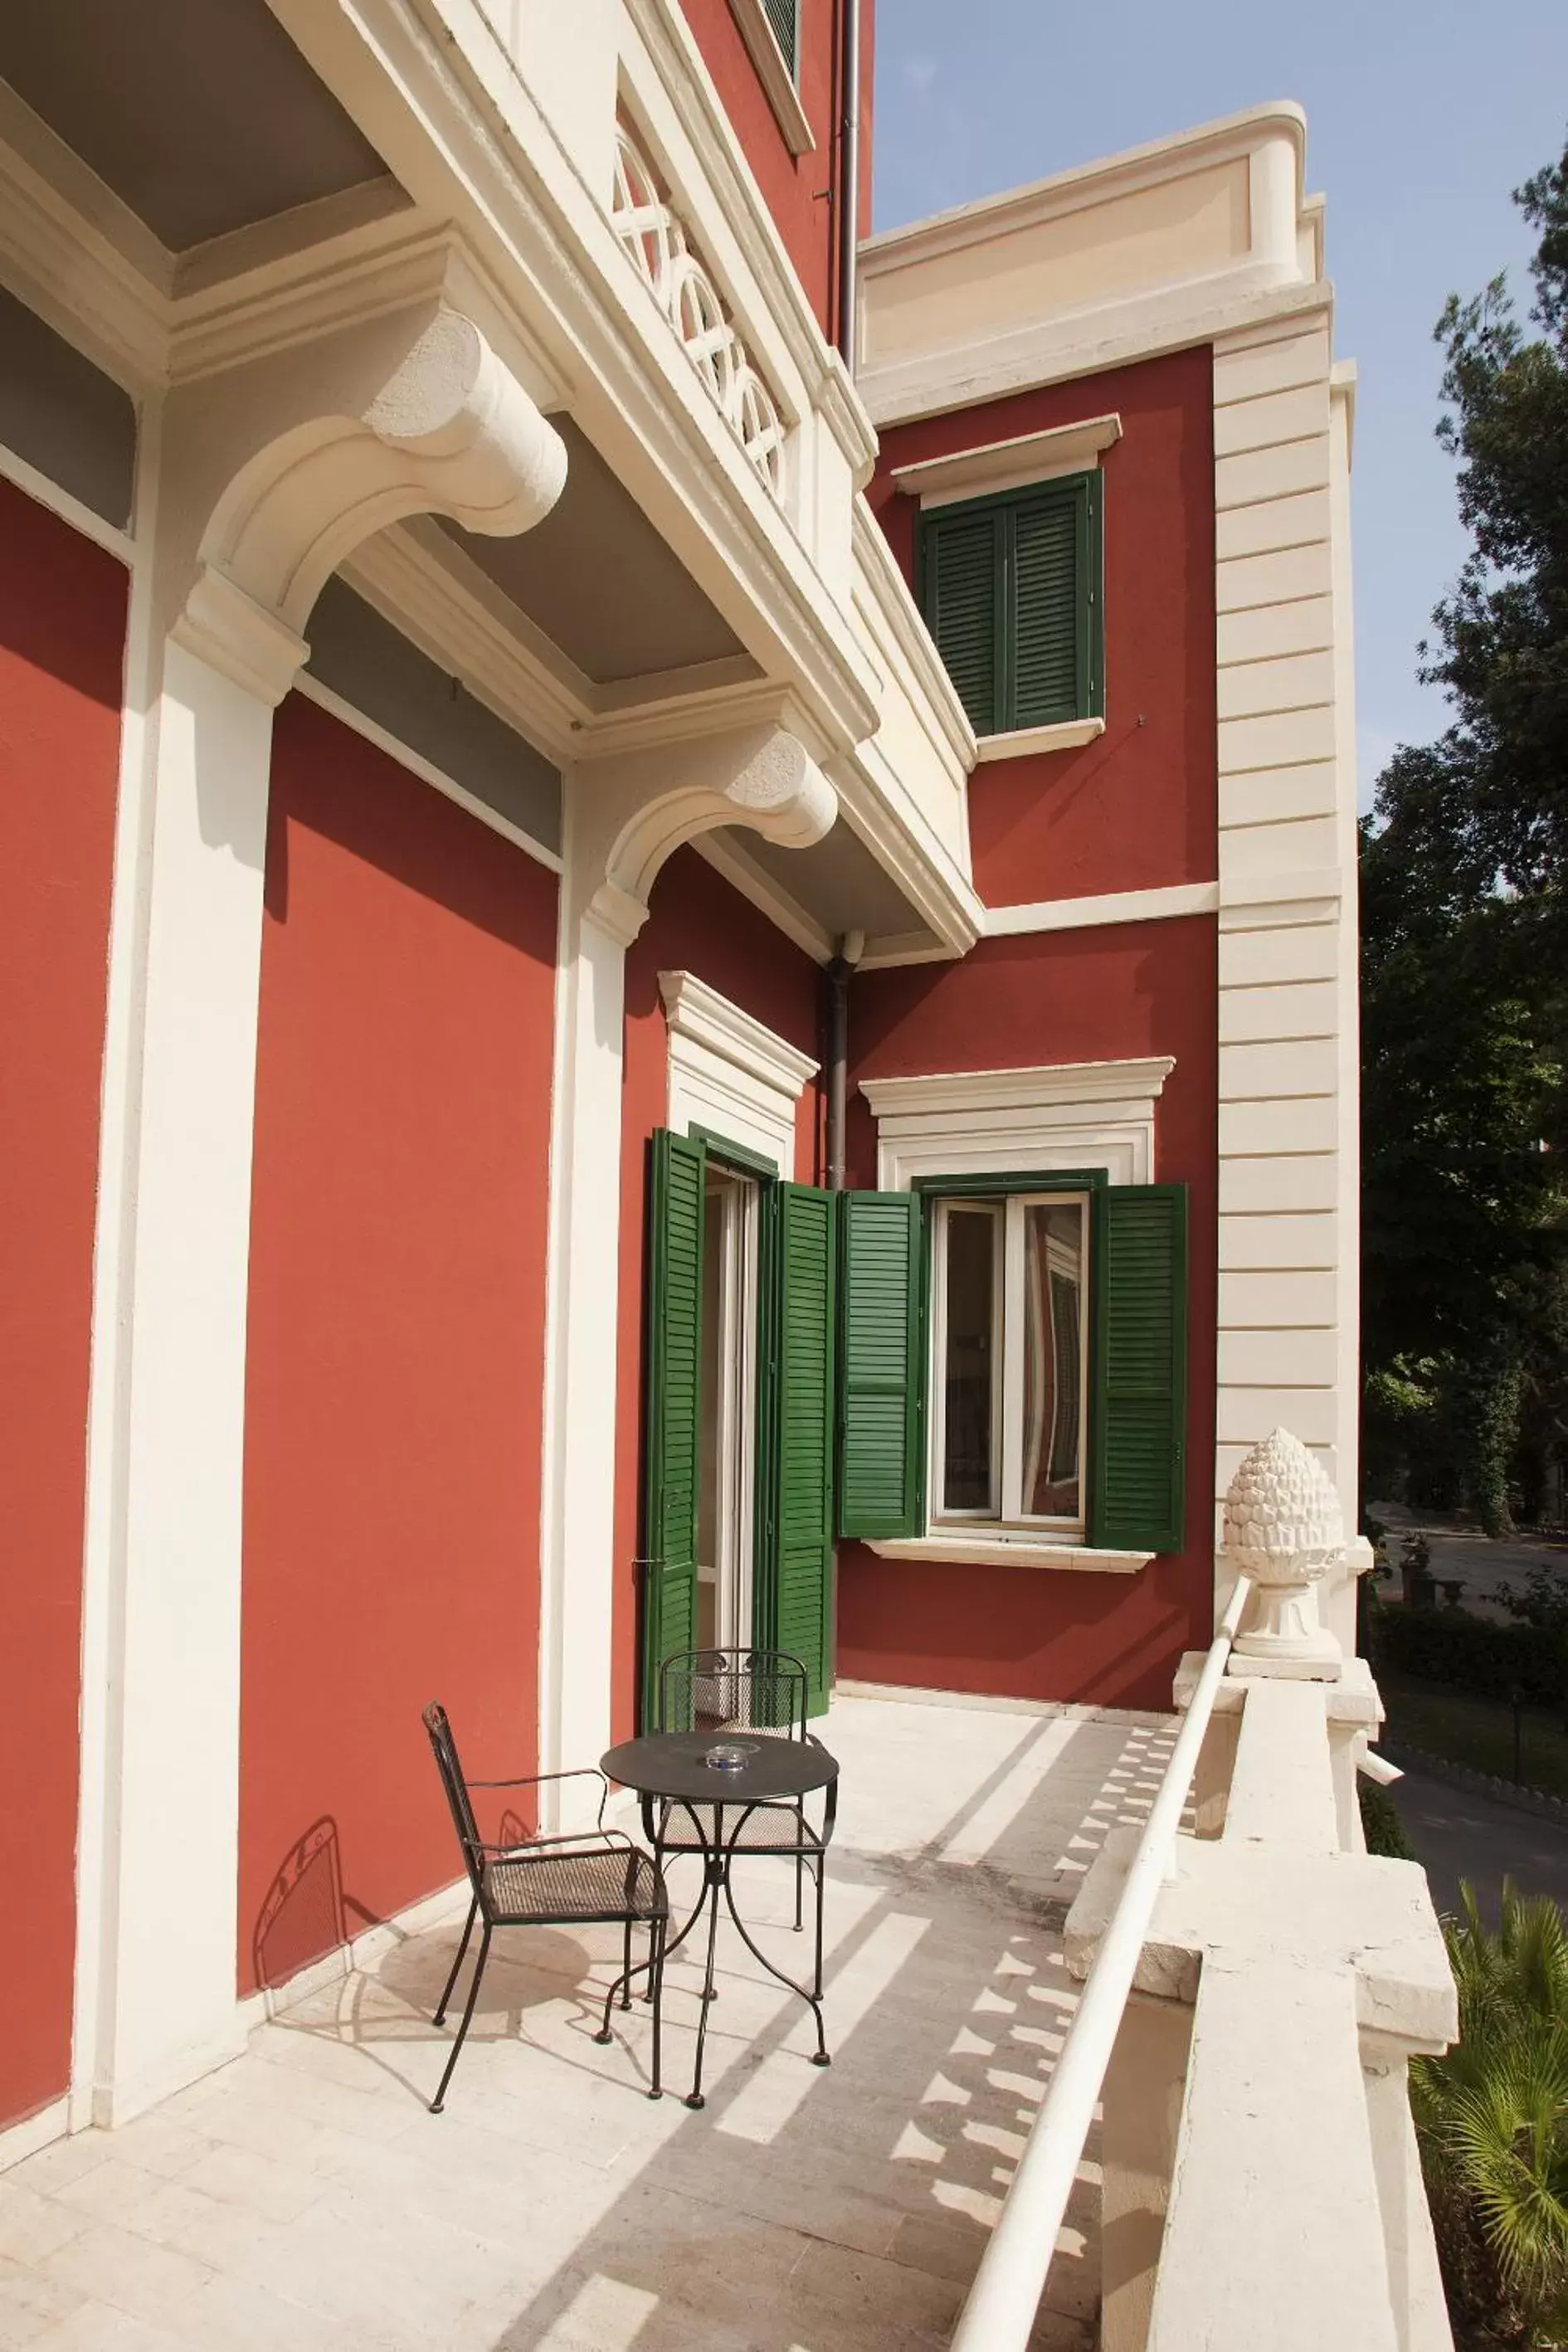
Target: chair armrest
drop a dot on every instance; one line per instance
(577, 1841)
(539, 1780)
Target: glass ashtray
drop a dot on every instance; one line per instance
(730, 1756)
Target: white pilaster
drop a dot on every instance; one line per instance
(624, 817)
(167, 1922)
(577, 1533)
(261, 481)
(1288, 1080)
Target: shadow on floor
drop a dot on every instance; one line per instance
(803, 2207)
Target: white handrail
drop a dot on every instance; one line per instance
(1004, 2302)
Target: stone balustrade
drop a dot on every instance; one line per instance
(1261, 2180)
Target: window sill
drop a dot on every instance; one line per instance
(774, 75)
(1022, 742)
(1010, 1551)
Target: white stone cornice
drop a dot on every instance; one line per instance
(729, 1073)
(1060, 1115)
(71, 265)
(1000, 464)
(698, 1014)
(958, 1093)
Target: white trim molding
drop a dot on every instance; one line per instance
(1112, 906)
(729, 1073)
(1001, 1550)
(1023, 742)
(1009, 464)
(1057, 1117)
(773, 73)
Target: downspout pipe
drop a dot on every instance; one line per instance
(848, 175)
(851, 946)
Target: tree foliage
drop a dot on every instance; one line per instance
(1465, 973)
(1491, 2117)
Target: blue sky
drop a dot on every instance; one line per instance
(1422, 118)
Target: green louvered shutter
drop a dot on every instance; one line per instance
(1049, 639)
(783, 16)
(1138, 1500)
(672, 1403)
(881, 1394)
(797, 1581)
(961, 581)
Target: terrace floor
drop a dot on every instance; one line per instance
(303, 2196)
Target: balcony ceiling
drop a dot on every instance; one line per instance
(837, 882)
(596, 577)
(201, 115)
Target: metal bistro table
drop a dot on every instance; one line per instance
(673, 1766)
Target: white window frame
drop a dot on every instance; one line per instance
(1007, 1211)
(1054, 1118)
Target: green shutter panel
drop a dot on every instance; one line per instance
(882, 1404)
(1049, 663)
(798, 1576)
(961, 569)
(783, 16)
(1137, 1501)
(672, 1403)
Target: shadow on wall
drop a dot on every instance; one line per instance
(329, 778)
(305, 1915)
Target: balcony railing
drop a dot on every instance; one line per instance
(1254, 1989)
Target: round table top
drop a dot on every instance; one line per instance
(671, 1764)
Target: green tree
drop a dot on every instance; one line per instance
(1465, 936)
(1491, 2117)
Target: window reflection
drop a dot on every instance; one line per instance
(971, 1274)
(1053, 1359)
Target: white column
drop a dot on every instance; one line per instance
(577, 1554)
(625, 816)
(166, 1958)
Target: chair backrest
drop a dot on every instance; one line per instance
(434, 1719)
(733, 1690)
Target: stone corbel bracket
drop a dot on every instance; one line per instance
(277, 470)
(632, 813)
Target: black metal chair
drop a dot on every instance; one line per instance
(590, 1878)
(755, 1691)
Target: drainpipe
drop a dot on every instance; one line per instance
(851, 948)
(848, 175)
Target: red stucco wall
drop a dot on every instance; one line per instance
(1138, 807)
(793, 188)
(697, 923)
(1065, 996)
(62, 629)
(396, 1336)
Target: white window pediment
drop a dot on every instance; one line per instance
(729, 1073)
(1054, 1118)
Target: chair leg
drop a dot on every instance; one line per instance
(440, 2100)
(441, 2005)
(821, 1867)
(626, 1968)
(656, 1978)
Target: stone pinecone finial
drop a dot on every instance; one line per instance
(1280, 1506)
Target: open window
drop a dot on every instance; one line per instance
(1014, 1362)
